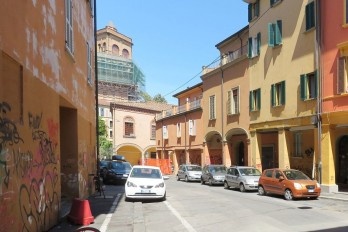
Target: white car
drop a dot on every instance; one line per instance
(145, 182)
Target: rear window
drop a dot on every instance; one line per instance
(194, 168)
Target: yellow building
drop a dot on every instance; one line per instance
(47, 109)
(283, 84)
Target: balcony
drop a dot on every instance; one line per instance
(189, 106)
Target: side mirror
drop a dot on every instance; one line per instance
(165, 177)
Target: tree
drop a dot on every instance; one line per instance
(159, 98)
(105, 146)
(146, 96)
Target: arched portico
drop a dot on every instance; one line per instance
(237, 140)
(213, 153)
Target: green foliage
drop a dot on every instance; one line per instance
(105, 146)
(146, 96)
(159, 98)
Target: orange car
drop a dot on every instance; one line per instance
(290, 183)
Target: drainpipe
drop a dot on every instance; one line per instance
(187, 161)
(96, 82)
(320, 86)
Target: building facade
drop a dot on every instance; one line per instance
(333, 104)
(47, 110)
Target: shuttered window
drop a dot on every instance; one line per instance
(310, 16)
(212, 114)
(69, 38)
(309, 86)
(342, 79)
(275, 34)
(278, 94)
(255, 100)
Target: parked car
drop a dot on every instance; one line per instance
(103, 167)
(117, 172)
(214, 174)
(290, 183)
(189, 172)
(145, 182)
(242, 177)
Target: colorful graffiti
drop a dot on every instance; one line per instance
(29, 179)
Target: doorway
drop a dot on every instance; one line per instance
(267, 159)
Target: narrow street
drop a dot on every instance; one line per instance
(195, 207)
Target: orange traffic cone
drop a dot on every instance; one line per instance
(80, 212)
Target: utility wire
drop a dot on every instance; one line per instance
(218, 58)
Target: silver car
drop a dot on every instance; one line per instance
(189, 172)
(242, 177)
(213, 174)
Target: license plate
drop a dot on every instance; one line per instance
(310, 190)
(145, 191)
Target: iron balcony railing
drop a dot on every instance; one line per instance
(189, 106)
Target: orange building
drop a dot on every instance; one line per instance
(47, 110)
(334, 102)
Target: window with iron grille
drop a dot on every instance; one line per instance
(212, 114)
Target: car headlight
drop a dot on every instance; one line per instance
(297, 186)
(131, 184)
(160, 185)
(318, 185)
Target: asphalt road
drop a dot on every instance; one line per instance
(195, 207)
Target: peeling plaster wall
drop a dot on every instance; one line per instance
(38, 78)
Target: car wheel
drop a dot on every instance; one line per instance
(202, 181)
(210, 182)
(164, 197)
(186, 179)
(177, 177)
(226, 185)
(288, 195)
(127, 199)
(261, 191)
(242, 187)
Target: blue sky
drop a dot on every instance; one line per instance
(173, 39)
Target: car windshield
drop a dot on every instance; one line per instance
(295, 175)
(194, 168)
(146, 173)
(121, 166)
(221, 169)
(249, 172)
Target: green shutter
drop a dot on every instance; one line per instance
(273, 95)
(278, 32)
(282, 100)
(316, 84)
(271, 2)
(270, 35)
(307, 17)
(257, 8)
(250, 47)
(258, 96)
(251, 101)
(250, 13)
(258, 43)
(303, 87)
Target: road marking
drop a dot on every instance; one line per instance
(183, 221)
(107, 219)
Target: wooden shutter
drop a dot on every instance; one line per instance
(229, 102)
(278, 32)
(282, 99)
(270, 35)
(303, 86)
(250, 47)
(273, 95)
(250, 12)
(258, 43)
(341, 68)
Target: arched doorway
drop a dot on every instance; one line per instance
(240, 154)
(342, 175)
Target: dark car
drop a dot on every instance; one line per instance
(117, 172)
(213, 174)
(103, 167)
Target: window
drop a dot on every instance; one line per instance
(153, 130)
(269, 173)
(310, 16)
(178, 130)
(110, 134)
(110, 123)
(342, 77)
(253, 10)
(101, 111)
(274, 2)
(69, 27)
(129, 127)
(212, 107)
(115, 50)
(278, 94)
(89, 64)
(254, 45)
(233, 101)
(308, 86)
(165, 132)
(255, 100)
(275, 33)
(125, 53)
(298, 144)
(192, 127)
